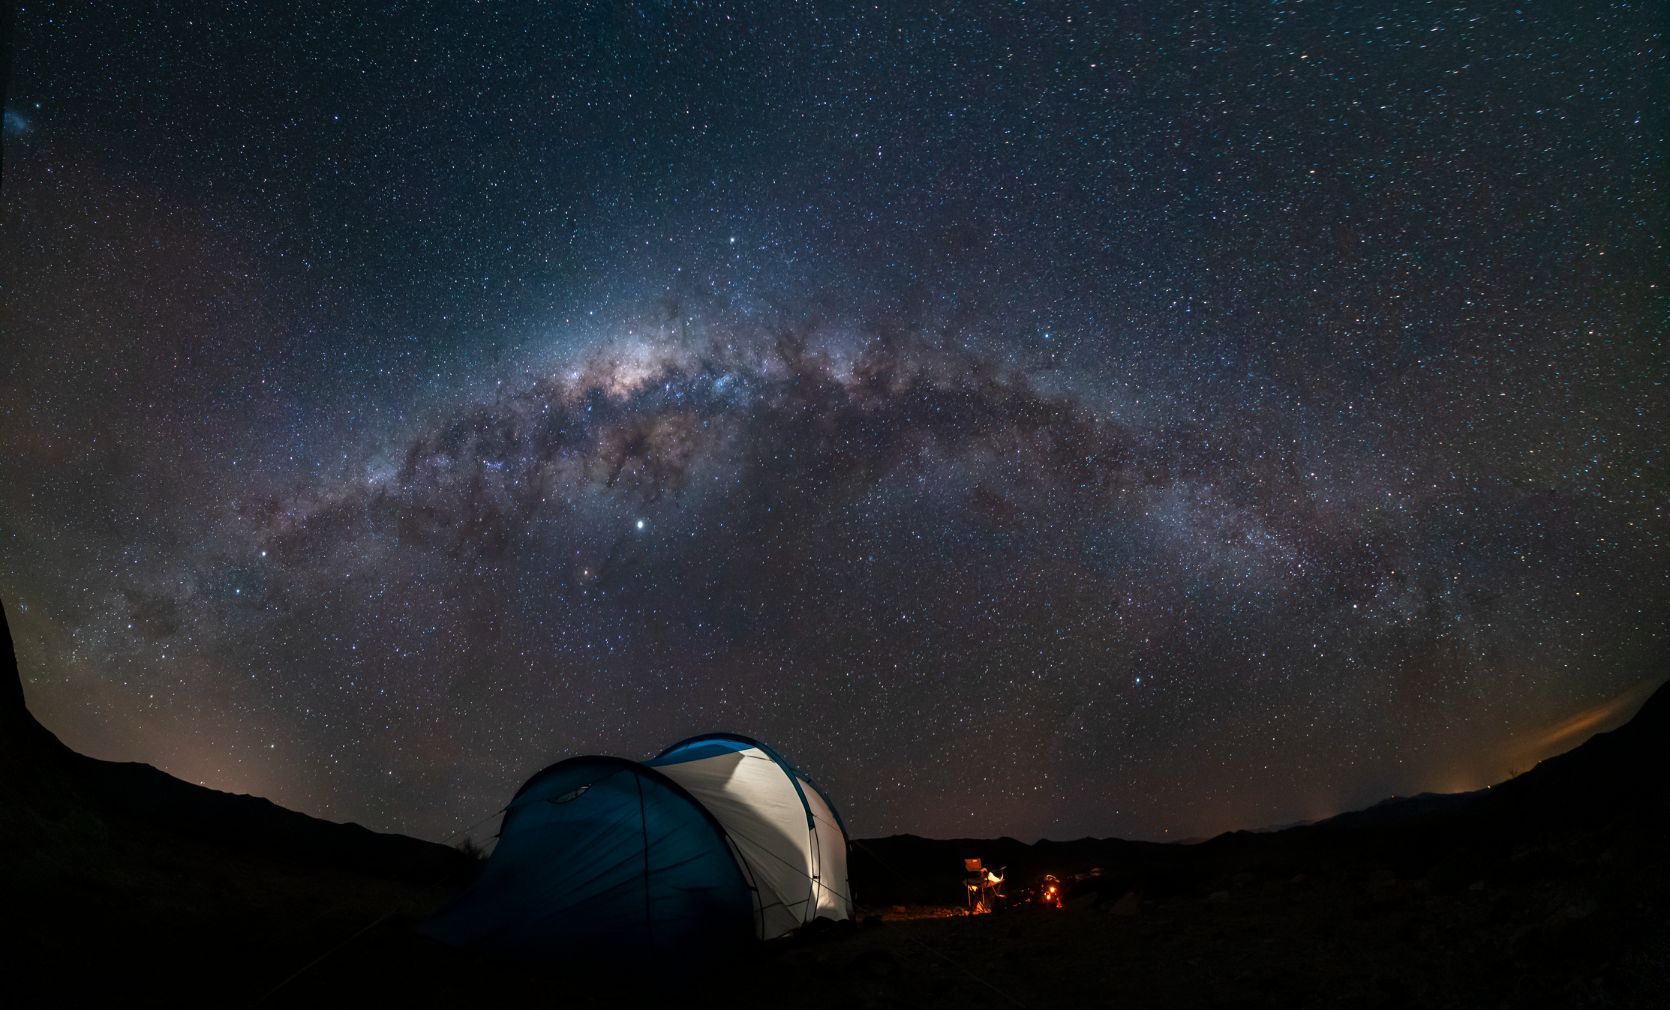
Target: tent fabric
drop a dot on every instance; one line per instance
(786, 830)
(830, 839)
(763, 811)
(598, 854)
(716, 841)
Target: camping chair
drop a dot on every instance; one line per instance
(983, 888)
(973, 884)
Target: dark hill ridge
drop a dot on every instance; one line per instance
(1550, 889)
(1612, 781)
(54, 778)
(1601, 777)
(132, 887)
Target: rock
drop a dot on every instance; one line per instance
(1560, 933)
(1127, 906)
(1395, 987)
(876, 962)
(1577, 911)
(1218, 897)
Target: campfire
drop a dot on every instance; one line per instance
(1049, 895)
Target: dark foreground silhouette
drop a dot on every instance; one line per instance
(125, 886)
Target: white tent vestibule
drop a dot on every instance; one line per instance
(786, 833)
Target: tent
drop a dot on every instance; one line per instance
(787, 834)
(714, 842)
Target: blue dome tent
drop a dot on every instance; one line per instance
(715, 842)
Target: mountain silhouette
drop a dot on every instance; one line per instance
(51, 778)
(178, 893)
(1548, 889)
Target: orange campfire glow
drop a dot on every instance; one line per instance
(1050, 895)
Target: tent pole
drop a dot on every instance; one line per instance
(643, 827)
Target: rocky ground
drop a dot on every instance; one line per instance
(1545, 928)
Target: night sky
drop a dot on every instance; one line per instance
(1032, 420)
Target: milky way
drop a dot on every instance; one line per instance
(1033, 422)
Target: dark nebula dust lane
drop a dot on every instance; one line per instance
(1041, 422)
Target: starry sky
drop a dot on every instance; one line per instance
(1033, 419)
